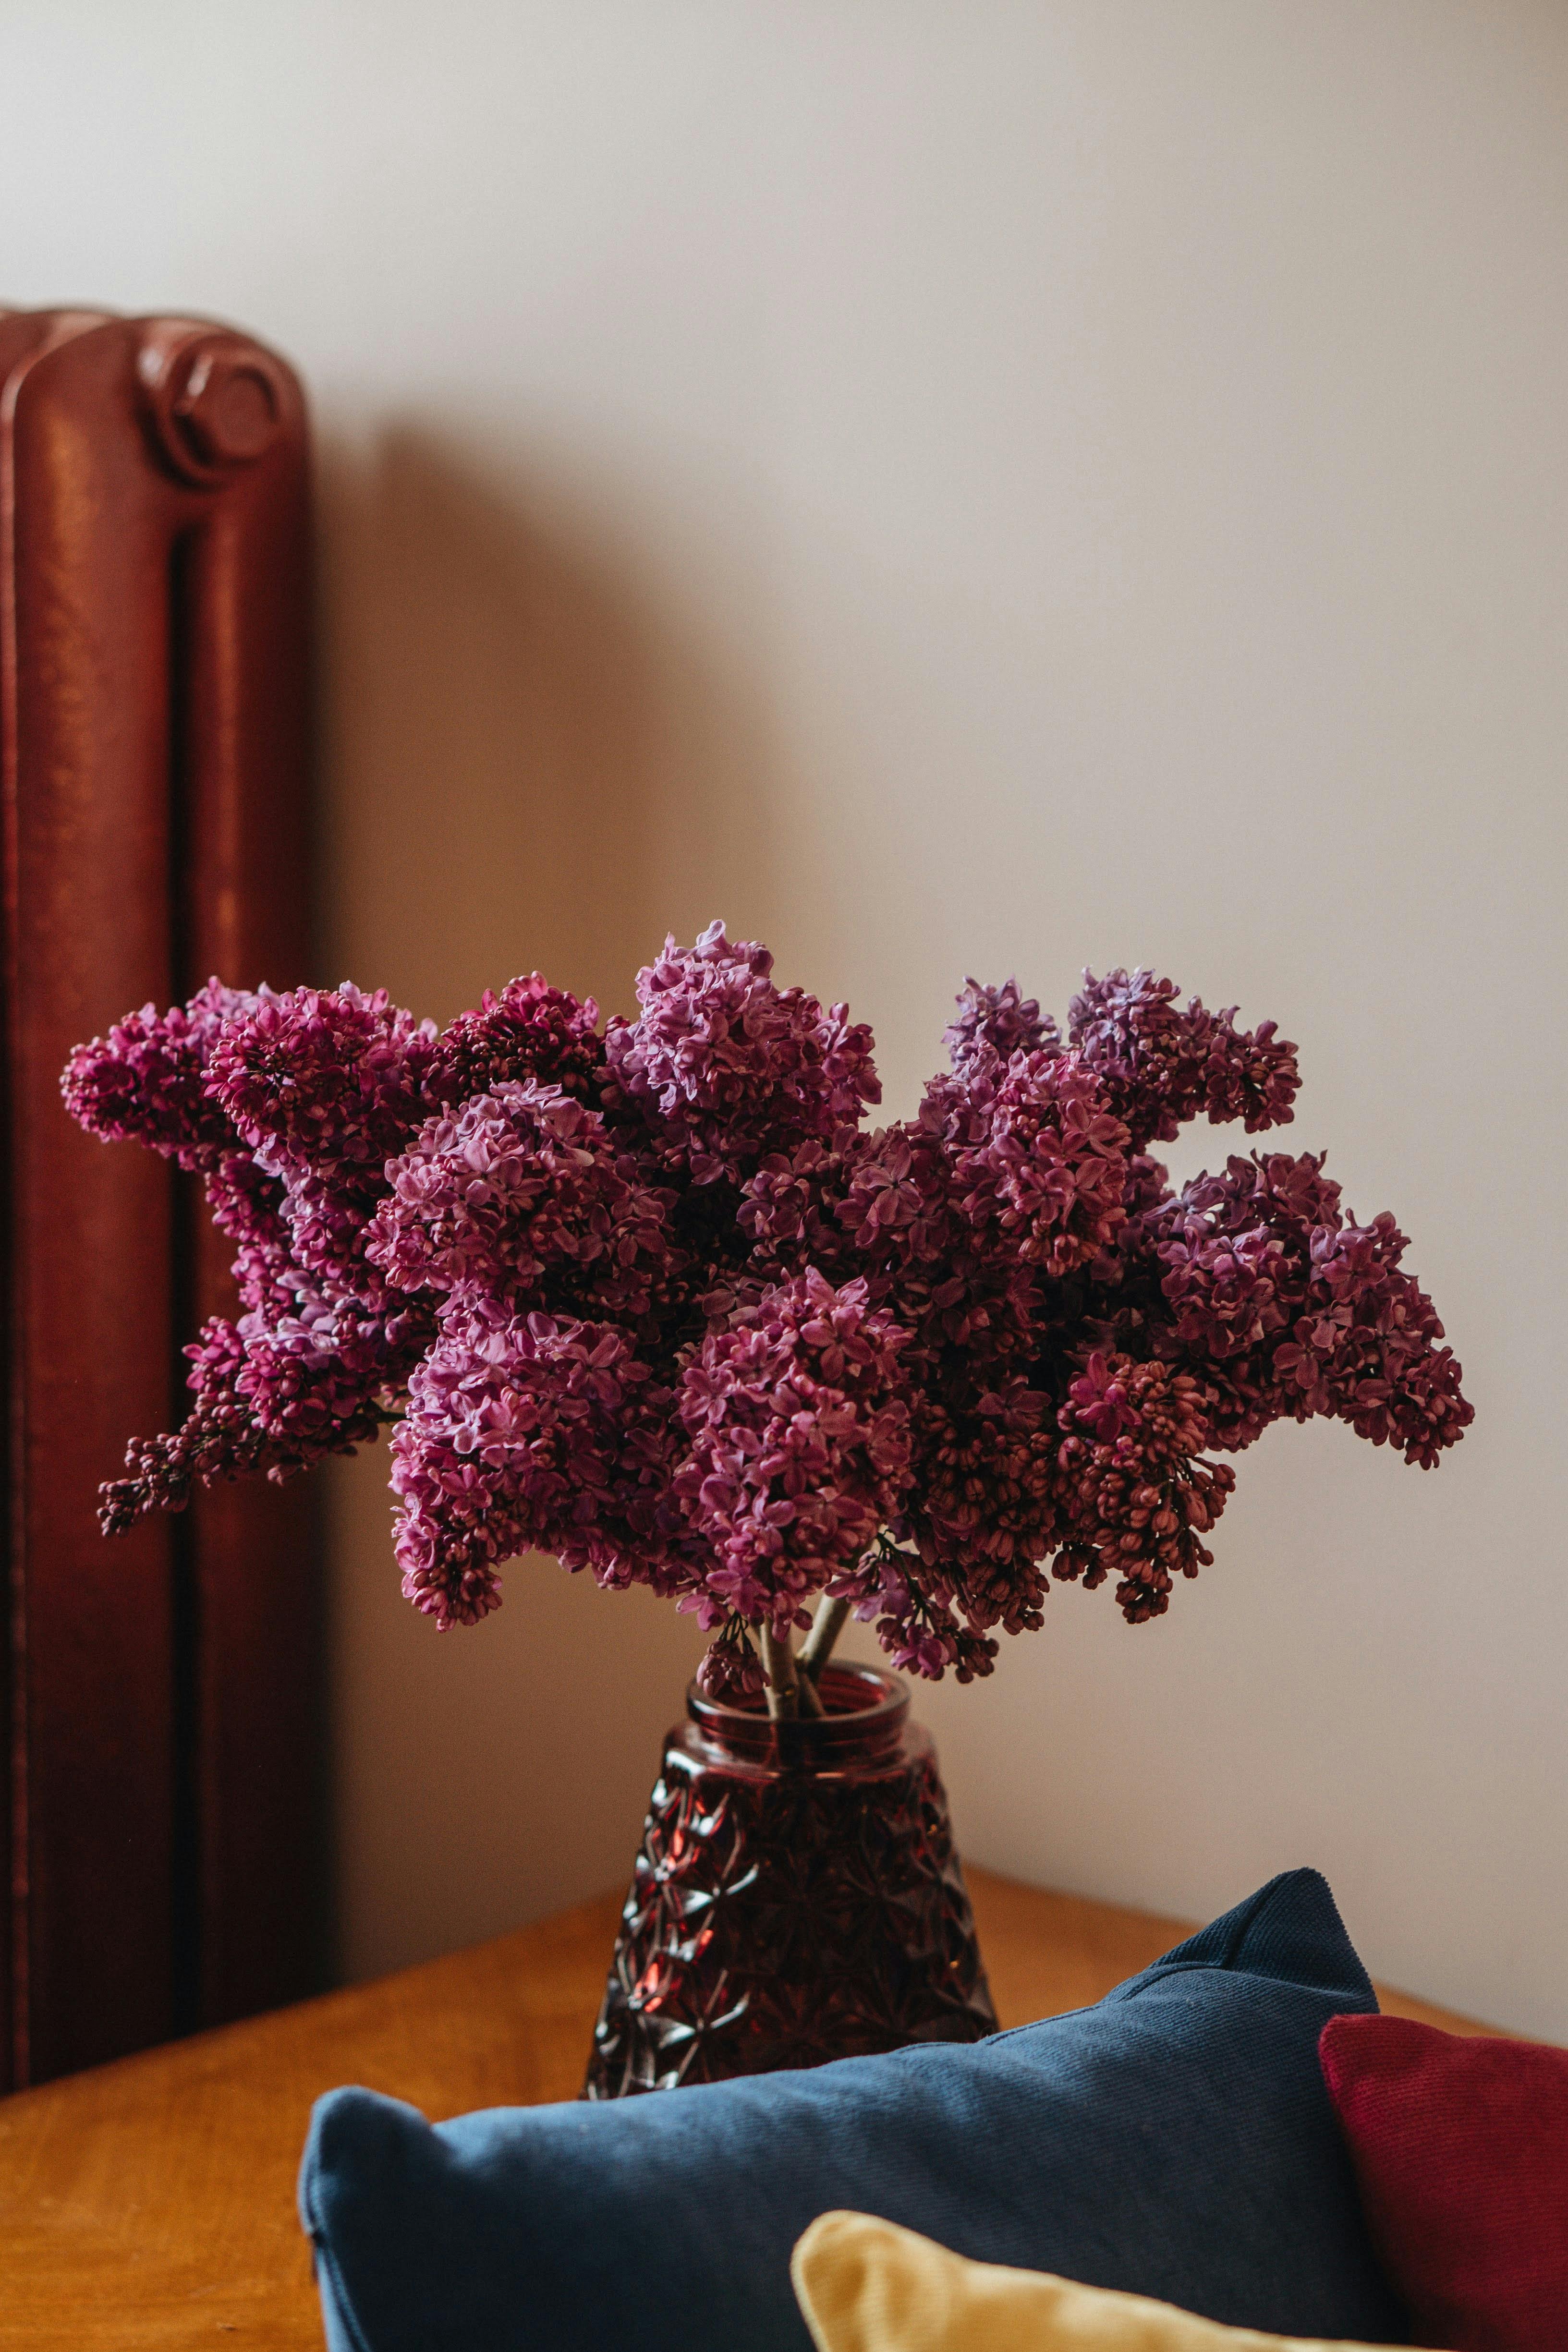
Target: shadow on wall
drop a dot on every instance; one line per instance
(531, 763)
(527, 767)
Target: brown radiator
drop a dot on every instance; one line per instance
(159, 1758)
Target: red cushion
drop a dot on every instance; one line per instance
(1460, 2148)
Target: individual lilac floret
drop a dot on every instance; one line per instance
(1002, 1019)
(1161, 1066)
(147, 1080)
(799, 1445)
(525, 1193)
(728, 1067)
(530, 1031)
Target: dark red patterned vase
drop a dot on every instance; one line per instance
(796, 1898)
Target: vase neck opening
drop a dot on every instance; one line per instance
(864, 1708)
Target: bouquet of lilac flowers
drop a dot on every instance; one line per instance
(648, 1296)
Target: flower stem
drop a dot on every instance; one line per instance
(817, 1646)
(784, 1686)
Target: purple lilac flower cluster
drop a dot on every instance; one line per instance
(650, 1296)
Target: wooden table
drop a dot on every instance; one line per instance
(151, 2203)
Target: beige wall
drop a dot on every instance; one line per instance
(963, 487)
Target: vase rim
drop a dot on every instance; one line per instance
(885, 1705)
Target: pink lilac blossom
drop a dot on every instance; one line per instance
(324, 1379)
(652, 1299)
(317, 1362)
(730, 1068)
(799, 1447)
(917, 1628)
(984, 1501)
(1050, 1172)
(323, 1079)
(147, 1081)
(221, 1439)
(247, 1206)
(1288, 1310)
(789, 1208)
(530, 1031)
(324, 1085)
(522, 1434)
(1160, 1066)
(272, 1397)
(525, 1193)
(1003, 1019)
(902, 1210)
(730, 1668)
(1136, 1495)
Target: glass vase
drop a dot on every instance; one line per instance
(797, 1897)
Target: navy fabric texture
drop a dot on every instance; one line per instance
(1175, 2140)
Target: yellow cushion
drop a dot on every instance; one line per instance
(868, 2287)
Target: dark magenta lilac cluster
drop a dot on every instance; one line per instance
(650, 1296)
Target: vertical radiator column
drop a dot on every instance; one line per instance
(153, 695)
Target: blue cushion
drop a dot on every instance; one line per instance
(1175, 2140)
